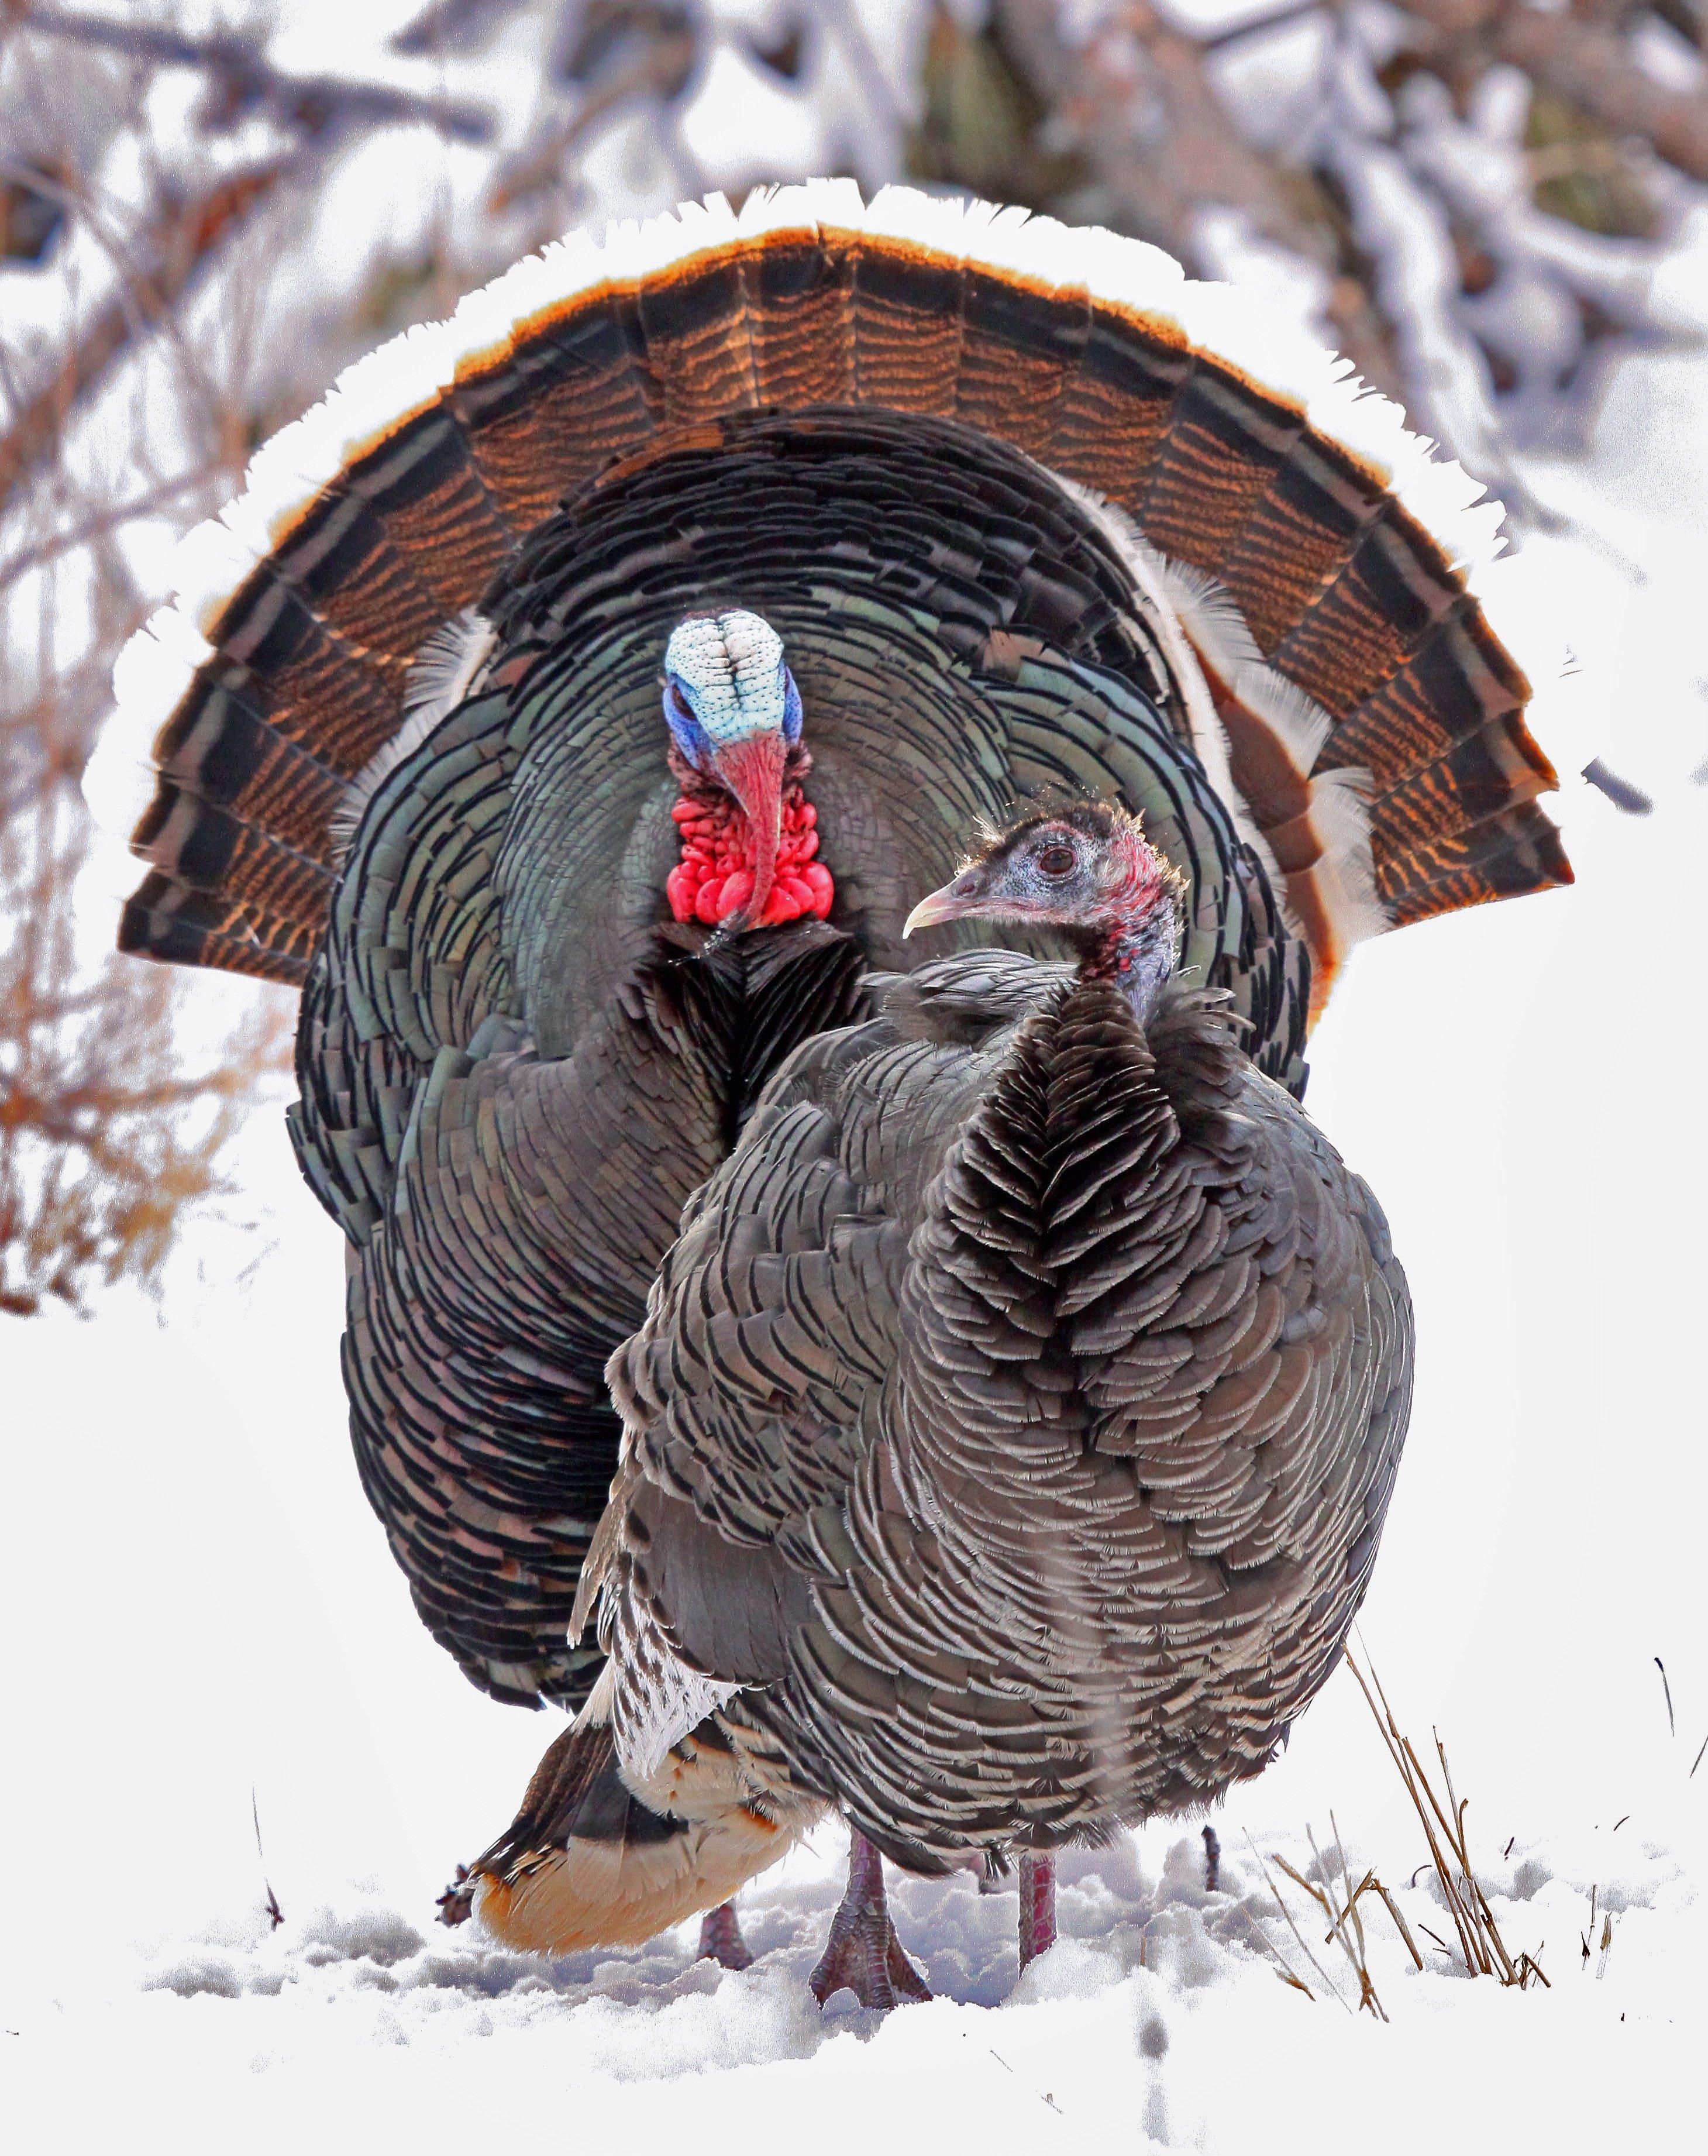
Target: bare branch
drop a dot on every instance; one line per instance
(110, 517)
(1585, 63)
(246, 82)
(1145, 117)
(171, 254)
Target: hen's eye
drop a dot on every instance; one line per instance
(1056, 861)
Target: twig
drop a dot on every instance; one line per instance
(273, 1908)
(1672, 1728)
(247, 81)
(661, 71)
(444, 24)
(1255, 25)
(173, 253)
(103, 520)
(1590, 68)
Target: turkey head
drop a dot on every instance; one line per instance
(1086, 868)
(748, 832)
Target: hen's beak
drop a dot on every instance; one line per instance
(753, 770)
(967, 893)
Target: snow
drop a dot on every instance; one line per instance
(1129, 2024)
(199, 1606)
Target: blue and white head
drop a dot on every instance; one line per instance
(727, 679)
(734, 714)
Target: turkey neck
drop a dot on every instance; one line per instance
(1135, 957)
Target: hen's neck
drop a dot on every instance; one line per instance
(1137, 956)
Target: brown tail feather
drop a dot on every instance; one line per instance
(545, 419)
(1345, 592)
(799, 296)
(1501, 858)
(215, 748)
(167, 920)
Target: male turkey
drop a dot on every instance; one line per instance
(1011, 1431)
(902, 507)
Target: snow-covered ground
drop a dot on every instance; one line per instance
(198, 1604)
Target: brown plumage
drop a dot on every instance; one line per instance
(1022, 507)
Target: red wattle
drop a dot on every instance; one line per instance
(714, 878)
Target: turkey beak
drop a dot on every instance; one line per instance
(753, 770)
(966, 894)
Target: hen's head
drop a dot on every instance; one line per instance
(734, 714)
(1084, 867)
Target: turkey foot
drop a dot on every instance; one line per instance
(720, 1938)
(1037, 1907)
(863, 1955)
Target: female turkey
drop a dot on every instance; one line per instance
(1006, 505)
(1009, 1437)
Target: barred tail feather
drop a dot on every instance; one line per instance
(1247, 457)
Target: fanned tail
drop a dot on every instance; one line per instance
(1341, 550)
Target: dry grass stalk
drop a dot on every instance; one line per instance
(1346, 1924)
(1484, 1951)
(1587, 1940)
(1288, 1974)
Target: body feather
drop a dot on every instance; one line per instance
(943, 449)
(1078, 1366)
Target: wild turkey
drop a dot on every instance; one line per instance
(403, 744)
(1012, 1429)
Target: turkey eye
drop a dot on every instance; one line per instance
(1056, 861)
(680, 705)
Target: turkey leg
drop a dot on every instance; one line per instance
(720, 1938)
(863, 1955)
(1037, 1907)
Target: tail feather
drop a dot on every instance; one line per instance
(205, 847)
(1460, 681)
(799, 292)
(696, 322)
(219, 748)
(166, 920)
(1501, 858)
(1225, 444)
(589, 1862)
(1339, 546)
(438, 508)
(344, 564)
